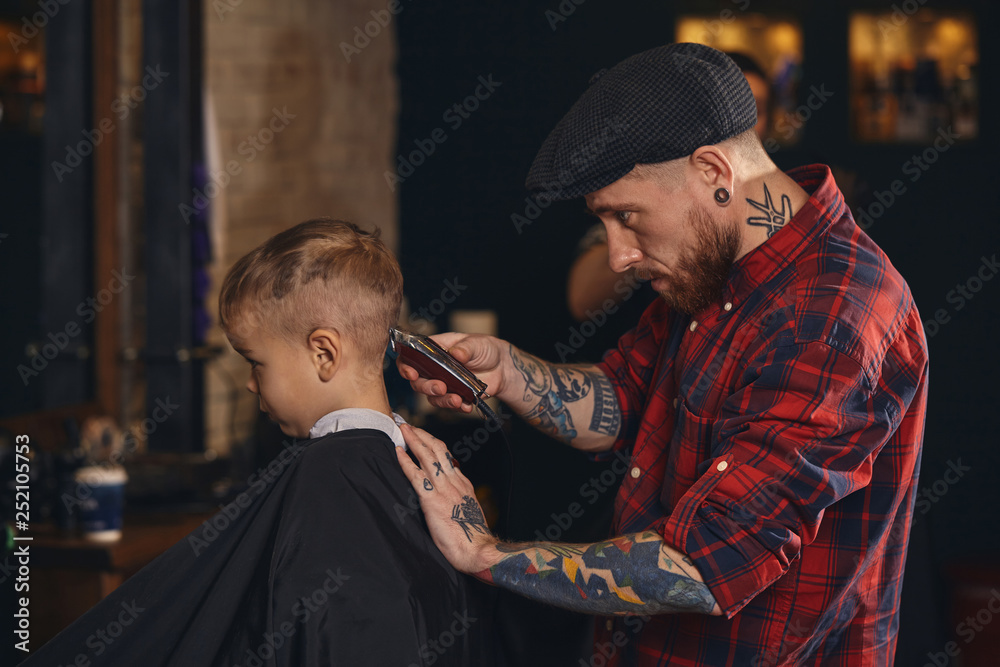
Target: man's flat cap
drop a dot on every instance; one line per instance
(655, 106)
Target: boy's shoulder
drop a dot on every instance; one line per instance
(353, 437)
(365, 456)
(349, 446)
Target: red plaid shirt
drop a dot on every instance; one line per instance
(776, 441)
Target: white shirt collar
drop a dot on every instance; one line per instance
(352, 418)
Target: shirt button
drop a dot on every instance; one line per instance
(635, 472)
(722, 466)
(610, 625)
(728, 306)
(694, 325)
(676, 402)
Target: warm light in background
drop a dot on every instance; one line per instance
(911, 76)
(768, 40)
(785, 38)
(22, 79)
(775, 43)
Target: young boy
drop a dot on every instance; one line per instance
(322, 561)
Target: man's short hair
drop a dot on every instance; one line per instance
(320, 274)
(670, 175)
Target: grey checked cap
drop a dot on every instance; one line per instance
(655, 106)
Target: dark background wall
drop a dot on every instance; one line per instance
(456, 222)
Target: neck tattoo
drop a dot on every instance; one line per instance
(773, 218)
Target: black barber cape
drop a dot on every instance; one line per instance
(324, 560)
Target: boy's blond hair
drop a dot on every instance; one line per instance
(320, 274)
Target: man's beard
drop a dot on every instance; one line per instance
(701, 274)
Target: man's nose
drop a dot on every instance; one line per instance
(622, 252)
(252, 385)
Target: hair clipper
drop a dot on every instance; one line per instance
(433, 361)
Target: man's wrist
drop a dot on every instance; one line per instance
(509, 393)
(487, 557)
(490, 555)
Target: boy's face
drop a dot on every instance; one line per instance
(284, 378)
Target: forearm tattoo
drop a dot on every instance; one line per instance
(550, 413)
(633, 574)
(773, 218)
(555, 386)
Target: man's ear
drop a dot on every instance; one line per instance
(325, 350)
(713, 169)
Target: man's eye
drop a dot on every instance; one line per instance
(253, 364)
(623, 216)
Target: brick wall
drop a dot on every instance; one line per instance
(305, 133)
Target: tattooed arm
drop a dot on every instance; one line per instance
(631, 574)
(572, 403)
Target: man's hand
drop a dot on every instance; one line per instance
(574, 403)
(448, 500)
(486, 356)
(634, 574)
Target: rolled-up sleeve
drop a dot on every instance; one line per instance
(799, 434)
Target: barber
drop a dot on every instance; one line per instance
(772, 401)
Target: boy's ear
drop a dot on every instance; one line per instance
(325, 350)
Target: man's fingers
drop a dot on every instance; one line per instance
(448, 500)
(460, 353)
(425, 446)
(410, 469)
(418, 478)
(445, 340)
(435, 459)
(452, 401)
(449, 338)
(435, 390)
(406, 371)
(429, 387)
(411, 374)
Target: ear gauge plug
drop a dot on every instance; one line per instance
(722, 196)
